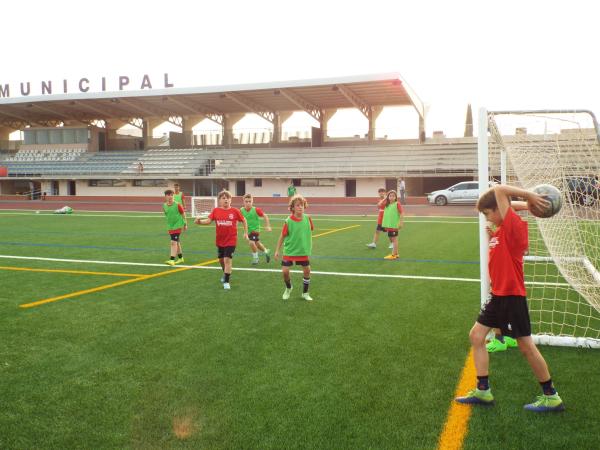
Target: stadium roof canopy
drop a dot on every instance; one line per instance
(314, 96)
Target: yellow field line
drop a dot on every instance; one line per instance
(112, 285)
(78, 272)
(142, 278)
(457, 422)
(335, 230)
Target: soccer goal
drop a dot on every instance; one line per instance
(202, 206)
(562, 148)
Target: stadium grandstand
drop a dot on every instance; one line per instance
(75, 144)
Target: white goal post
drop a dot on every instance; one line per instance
(562, 148)
(202, 206)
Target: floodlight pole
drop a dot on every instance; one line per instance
(484, 176)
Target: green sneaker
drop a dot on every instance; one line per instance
(496, 346)
(170, 262)
(546, 403)
(267, 255)
(477, 397)
(511, 342)
(179, 261)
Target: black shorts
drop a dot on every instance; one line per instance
(226, 252)
(254, 236)
(379, 227)
(175, 236)
(391, 232)
(508, 313)
(298, 263)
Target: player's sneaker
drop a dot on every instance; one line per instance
(511, 342)
(223, 279)
(496, 346)
(179, 261)
(170, 262)
(391, 257)
(546, 403)
(254, 261)
(477, 397)
(372, 245)
(391, 246)
(226, 286)
(287, 293)
(306, 296)
(267, 255)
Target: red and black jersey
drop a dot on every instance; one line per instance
(506, 249)
(226, 225)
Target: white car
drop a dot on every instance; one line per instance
(466, 192)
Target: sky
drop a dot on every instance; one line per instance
(526, 54)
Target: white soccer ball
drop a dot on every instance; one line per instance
(37, 212)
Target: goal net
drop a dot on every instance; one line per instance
(563, 261)
(202, 206)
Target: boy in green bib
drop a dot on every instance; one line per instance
(392, 220)
(175, 215)
(252, 215)
(296, 237)
(178, 195)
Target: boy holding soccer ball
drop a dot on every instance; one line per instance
(507, 307)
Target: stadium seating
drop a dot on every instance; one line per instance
(458, 158)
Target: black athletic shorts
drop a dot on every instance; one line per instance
(175, 237)
(254, 236)
(392, 232)
(508, 313)
(379, 227)
(226, 252)
(298, 263)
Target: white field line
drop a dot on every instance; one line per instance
(248, 269)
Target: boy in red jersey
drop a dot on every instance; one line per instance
(226, 219)
(297, 239)
(175, 215)
(507, 307)
(379, 228)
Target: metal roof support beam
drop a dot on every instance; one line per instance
(198, 110)
(176, 120)
(13, 124)
(50, 111)
(104, 113)
(301, 103)
(358, 102)
(251, 106)
(12, 116)
(145, 111)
